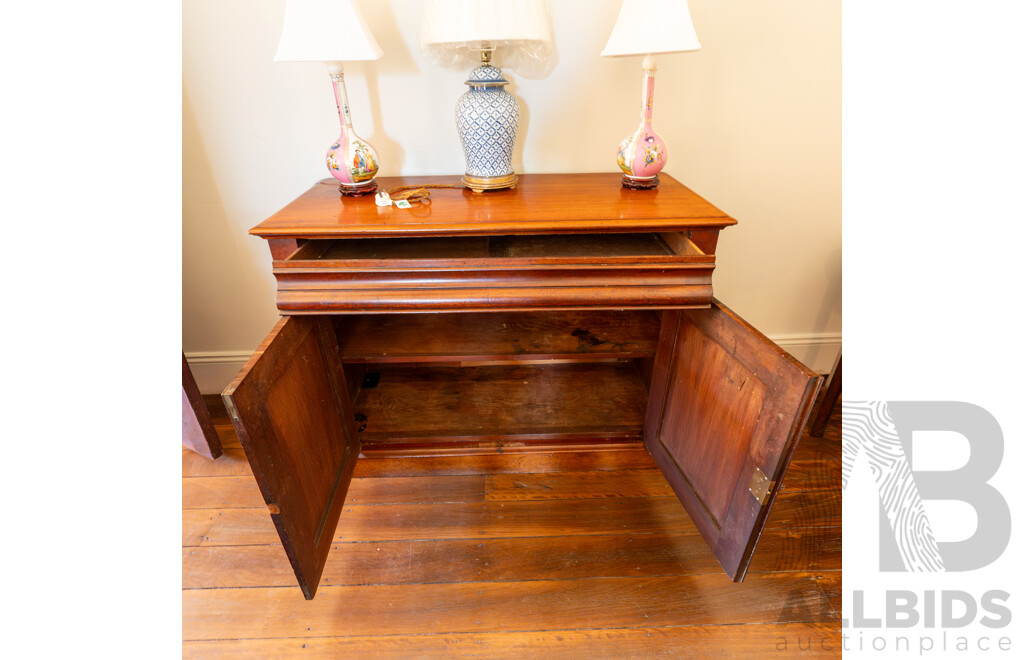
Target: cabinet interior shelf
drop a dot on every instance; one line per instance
(501, 406)
(439, 385)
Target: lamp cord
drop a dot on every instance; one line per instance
(417, 193)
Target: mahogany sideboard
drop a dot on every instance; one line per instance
(566, 313)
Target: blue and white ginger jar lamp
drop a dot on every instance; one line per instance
(487, 118)
(487, 115)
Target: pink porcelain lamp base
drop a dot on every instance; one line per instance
(643, 153)
(351, 160)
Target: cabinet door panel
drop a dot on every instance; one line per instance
(197, 432)
(289, 408)
(727, 405)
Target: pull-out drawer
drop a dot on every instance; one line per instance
(479, 273)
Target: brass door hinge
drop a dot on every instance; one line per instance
(760, 486)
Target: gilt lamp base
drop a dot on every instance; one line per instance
(478, 184)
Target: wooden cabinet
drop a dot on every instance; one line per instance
(566, 313)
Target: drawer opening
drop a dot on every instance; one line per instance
(551, 272)
(546, 247)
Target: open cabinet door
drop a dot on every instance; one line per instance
(293, 417)
(726, 408)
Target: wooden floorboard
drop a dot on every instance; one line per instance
(230, 464)
(494, 606)
(510, 559)
(241, 491)
(510, 463)
(546, 554)
(738, 642)
(211, 492)
(454, 520)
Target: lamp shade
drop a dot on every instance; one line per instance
(652, 26)
(472, 22)
(325, 31)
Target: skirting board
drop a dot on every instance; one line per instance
(819, 352)
(214, 370)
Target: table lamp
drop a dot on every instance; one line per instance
(486, 116)
(647, 27)
(332, 32)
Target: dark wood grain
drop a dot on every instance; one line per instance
(482, 251)
(828, 446)
(831, 583)
(541, 203)
(833, 390)
(576, 485)
(659, 286)
(814, 474)
(815, 548)
(705, 239)
(563, 517)
(733, 401)
(386, 338)
(508, 559)
(744, 642)
(500, 462)
(802, 537)
(228, 438)
(588, 246)
(461, 384)
(293, 417)
(554, 243)
(578, 517)
(241, 491)
(505, 404)
(542, 605)
(218, 413)
(282, 248)
(197, 431)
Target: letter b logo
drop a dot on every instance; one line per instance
(883, 430)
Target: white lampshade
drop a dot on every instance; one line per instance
(325, 31)
(652, 26)
(471, 22)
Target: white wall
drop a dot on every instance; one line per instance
(753, 124)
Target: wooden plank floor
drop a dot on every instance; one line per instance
(546, 555)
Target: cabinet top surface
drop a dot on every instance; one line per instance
(541, 203)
